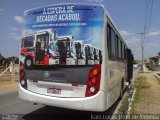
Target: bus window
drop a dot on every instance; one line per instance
(100, 56)
(125, 52)
(79, 50)
(22, 43)
(109, 40)
(43, 39)
(73, 50)
(119, 49)
(53, 47)
(113, 44)
(28, 41)
(122, 50)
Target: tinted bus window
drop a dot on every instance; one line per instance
(113, 44)
(28, 41)
(125, 52)
(43, 39)
(109, 40)
(119, 48)
(122, 51)
(53, 47)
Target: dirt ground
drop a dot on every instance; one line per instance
(6, 82)
(148, 101)
(8, 86)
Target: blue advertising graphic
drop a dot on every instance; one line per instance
(63, 35)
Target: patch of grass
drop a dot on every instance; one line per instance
(123, 104)
(140, 85)
(135, 101)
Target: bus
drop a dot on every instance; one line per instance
(96, 55)
(39, 48)
(80, 52)
(72, 85)
(89, 54)
(66, 48)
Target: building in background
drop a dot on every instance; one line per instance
(154, 62)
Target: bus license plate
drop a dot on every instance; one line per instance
(54, 91)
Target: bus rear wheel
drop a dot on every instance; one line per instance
(28, 62)
(121, 91)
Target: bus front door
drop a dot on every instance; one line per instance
(41, 47)
(62, 48)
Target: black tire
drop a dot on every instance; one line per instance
(121, 91)
(121, 94)
(28, 62)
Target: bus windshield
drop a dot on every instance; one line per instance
(28, 41)
(73, 47)
(43, 39)
(53, 47)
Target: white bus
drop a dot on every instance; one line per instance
(38, 48)
(89, 54)
(87, 87)
(66, 48)
(80, 52)
(96, 55)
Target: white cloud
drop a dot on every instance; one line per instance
(156, 33)
(124, 33)
(130, 38)
(153, 45)
(133, 41)
(14, 35)
(19, 19)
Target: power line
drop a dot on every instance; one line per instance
(148, 16)
(147, 23)
(147, 2)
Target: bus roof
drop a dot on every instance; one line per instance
(79, 41)
(66, 36)
(39, 31)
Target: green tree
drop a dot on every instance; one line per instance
(2, 59)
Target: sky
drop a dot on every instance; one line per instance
(128, 15)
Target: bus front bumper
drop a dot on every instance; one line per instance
(94, 103)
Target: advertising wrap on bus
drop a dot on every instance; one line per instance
(61, 45)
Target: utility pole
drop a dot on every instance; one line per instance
(142, 47)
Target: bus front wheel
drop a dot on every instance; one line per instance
(28, 62)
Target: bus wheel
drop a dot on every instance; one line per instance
(28, 62)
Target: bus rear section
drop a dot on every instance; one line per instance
(74, 81)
